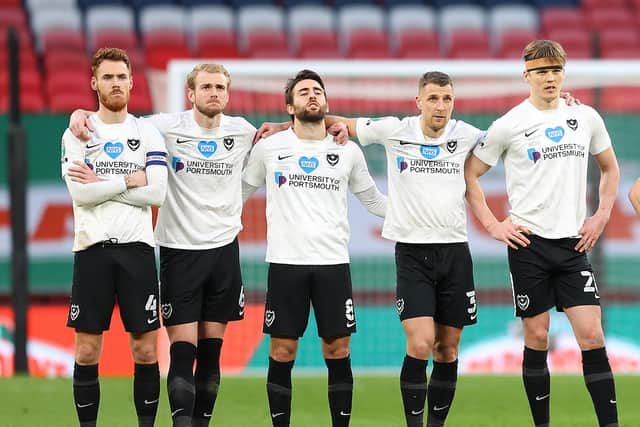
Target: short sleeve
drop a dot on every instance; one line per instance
(600, 139)
(376, 130)
(255, 172)
(162, 121)
(359, 178)
(491, 144)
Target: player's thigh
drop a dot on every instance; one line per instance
(415, 281)
(586, 321)
(223, 299)
(530, 280)
(182, 276)
(288, 300)
(419, 331)
(137, 287)
(93, 290)
(332, 298)
(577, 287)
(456, 303)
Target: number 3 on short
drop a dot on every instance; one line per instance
(590, 286)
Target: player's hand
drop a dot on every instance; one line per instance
(590, 232)
(570, 99)
(80, 126)
(510, 234)
(340, 133)
(82, 173)
(136, 179)
(268, 129)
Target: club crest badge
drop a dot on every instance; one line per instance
(573, 124)
(133, 144)
(522, 301)
(74, 311)
(269, 317)
(452, 145)
(400, 305)
(228, 143)
(333, 159)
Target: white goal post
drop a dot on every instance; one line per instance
(361, 78)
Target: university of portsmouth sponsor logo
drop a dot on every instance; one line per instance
(280, 178)
(177, 164)
(533, 154)
(429, 151)
(308, 164)
(113, 149)
(555, 134)
(207, 148)
(402, 164)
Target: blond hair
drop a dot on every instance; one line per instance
(207, 68)
(539, 49)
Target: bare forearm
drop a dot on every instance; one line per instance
(608, 191)
(478, 204)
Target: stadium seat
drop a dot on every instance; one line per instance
(310, 17)
(469, 44)
(78, 83)
(162, 17)
(141, 4)
(109, 17)
(11, 3)
(511, 17)
(200, 3)
(68, 102)
(355, 17)
(620, 99)
(415, 44)
(444, 3)
(77, 61)
(24, 38)
(588, 5)
(619, 43)
(210, 17)
(12, 17)
(29, 80)
(30, 102)
(258, 18)
(577, 43)
(85, 4)
(236, 4)
(542, 4)
(57, 40)
(160, 46)
(604, 18)
(140, 101)
(27, 58)
(566, 18)
(417, 23)
(124, 39)
(460, 17)
(512, 42)
(368, 44)
(44, 20)
(216, 44)
(267, 44)
(316, 44)
(35, 6)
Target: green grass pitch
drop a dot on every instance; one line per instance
(494, 401)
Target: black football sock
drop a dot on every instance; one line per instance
(146, 392)
(279, 391)
(340, 390)
(207, 380)
(86, 393)
(601, 386)
(537, 384)
(442, 388)
(180, 386)
(413, 387)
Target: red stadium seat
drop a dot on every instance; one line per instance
(589, 5)
(577, 43)
(418, 44)
(11, 3)
(512, 42)
(469, 44)
(619, 43)
(267, 44)
(27, 58)
(121, 38)
(216, 44)
(30, 80)
(24, 38)
(317, 44)
(64, 40)
(620, 99)
(12, 17)
(163, 45)
(556, 18)
(30, 102)
(78, 62)
(67, 102)
(368, 43)
(604, 18)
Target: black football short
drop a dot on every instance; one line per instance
(106, 273)
(292, 289)
(201, 285)
(550, 272)
(436, 280)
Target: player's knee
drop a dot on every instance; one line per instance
(420, 349)
(335, 352)
(144, 352)
(87, 354)
(591, 339)
(283, 353)
(444, 352)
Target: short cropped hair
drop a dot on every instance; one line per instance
(302, 75)
(538, 49)
(109, 54)
(207, 68)
(436, 77)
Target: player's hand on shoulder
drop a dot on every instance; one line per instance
(82, 173)
(267, 129)
(570, 99)
(514, 236)
(591, 231)
(340, 133)
(80, 126)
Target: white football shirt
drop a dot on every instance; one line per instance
(114, 151)
(545, 155)
(307, 184)
(425, 176)
(204, 198)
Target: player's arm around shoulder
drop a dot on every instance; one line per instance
(362, 184)
(376, 130)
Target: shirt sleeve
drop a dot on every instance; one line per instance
(255, 172)
(162, 121)
(376, 130)
(600, 139)
(492, 144)
(359, 178)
